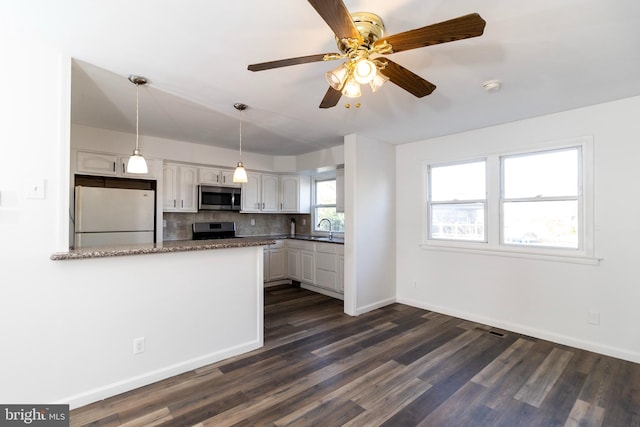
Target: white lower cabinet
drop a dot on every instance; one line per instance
(308, 267)
(340, 284)
(326, 266)
(274, 262)
(293, 264)
(316, 264)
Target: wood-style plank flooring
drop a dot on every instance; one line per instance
(396, 366)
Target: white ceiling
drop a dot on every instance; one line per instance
(551, 56)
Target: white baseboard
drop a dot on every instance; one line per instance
(370, 307)
(116, 388)
(277, 282)
(322, 291)
(533, 332)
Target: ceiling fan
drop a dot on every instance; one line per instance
(361, 42)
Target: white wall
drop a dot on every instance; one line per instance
(103, 140)
(68, 326)
(541, 298)
(369, 224)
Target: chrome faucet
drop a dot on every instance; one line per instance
(330, 226)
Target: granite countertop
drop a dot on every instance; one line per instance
(187, 245)
(309, 237)
(168, 246)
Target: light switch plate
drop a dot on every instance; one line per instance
(35, 188)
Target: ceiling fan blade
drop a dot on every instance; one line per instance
(464, 27)
(331, 98)
(337, 16)
(287, 62)
(406, 79)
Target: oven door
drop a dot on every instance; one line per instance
(214, 198)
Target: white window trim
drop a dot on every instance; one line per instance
(430, 204)
(314, 219)
(583, 255)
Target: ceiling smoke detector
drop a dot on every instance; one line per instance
(492, 85)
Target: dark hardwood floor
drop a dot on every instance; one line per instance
(396, 366)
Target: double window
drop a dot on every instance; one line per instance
(527, 201)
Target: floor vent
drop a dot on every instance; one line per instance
(490, 332)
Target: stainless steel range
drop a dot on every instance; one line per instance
(213, 230)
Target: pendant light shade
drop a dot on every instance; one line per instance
(240, 174)
(137, 163)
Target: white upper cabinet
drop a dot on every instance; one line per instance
(260, 193)
(270, 193)
(214, 176)
(179, 188)
(295, 194)
(251, 198)
(90, 163)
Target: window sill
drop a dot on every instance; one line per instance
(577, 259)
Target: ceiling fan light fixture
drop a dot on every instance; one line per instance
(351, 88)
(364, 71)
(378, 80)
(338, 76)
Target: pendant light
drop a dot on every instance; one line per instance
(240, 174)
(136, 163)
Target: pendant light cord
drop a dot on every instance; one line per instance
(137, 114)
(240, 135)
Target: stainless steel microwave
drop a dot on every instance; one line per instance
(218, 198)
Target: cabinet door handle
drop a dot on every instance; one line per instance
(182, 203)
(218, 179)
(262, 205)
(123, 169)
(224, 179)
(174, 203)
(114, 166)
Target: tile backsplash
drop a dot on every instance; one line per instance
(179, 224)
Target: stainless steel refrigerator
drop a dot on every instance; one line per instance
(113, 216)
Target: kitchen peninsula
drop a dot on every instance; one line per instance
(168, 246)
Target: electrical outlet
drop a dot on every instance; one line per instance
(253, 221)
(138, 345)
(593, 317)
(35, 188)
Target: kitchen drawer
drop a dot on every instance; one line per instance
(300, 244)
(327, 248)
